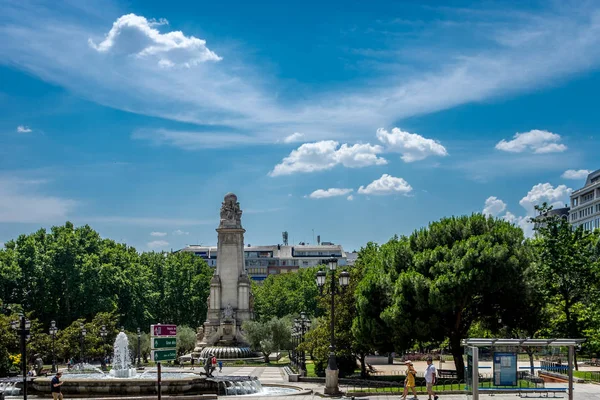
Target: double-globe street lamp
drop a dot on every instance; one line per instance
(301, 325)
(53, 331)
(22, 327)
(82, 334)
(103, 334)
(139, 333)
(331, 373)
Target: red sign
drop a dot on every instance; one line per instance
(163, 330)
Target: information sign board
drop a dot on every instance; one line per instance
(163, 330)
(164, 343)
(505, 369)
(164, 355)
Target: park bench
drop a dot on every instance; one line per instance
(526, 391)
(447, 374)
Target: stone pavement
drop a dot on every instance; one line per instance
(275, 375)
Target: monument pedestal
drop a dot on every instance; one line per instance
(331, 382)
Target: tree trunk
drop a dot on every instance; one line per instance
(575, 359)
(363, 365)
(457, 354)
(531, 364)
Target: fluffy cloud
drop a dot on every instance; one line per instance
(540, 193)
(323, 155)
(158, 234)
(294, 137)
(135, 35)
(350, 198)
(179, 232)
(23, 129)
(331, 192)
(157, 244)
(387, 184)
(545, 192)
(412, 146)
(493, 206)
(576, 174)
(537, 141)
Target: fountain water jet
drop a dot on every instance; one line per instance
(121, 360)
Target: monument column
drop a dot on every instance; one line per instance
(229, 302)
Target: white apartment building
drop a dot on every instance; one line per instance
(585, 204)
(262, 261)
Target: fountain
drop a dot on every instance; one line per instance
(121, 364)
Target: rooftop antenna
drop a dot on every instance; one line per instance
(285, 238)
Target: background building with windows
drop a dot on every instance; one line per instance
(262, 261)
(585, 204)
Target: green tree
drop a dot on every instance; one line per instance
(186, 340)
(268, 336)
(462, 270)
(286, 294)
(567, 263)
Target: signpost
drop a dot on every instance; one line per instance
(163, 342)
(164, 355)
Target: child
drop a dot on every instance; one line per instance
(220, 366)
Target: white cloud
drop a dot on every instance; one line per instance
(540, 193)
(493, 206)
(23, 129)
(294, 137)
(513, 55)
(412, 146)
(350, 198)
(323, 155)
(331, 192)
(387, 184)
(157, 244)
(537, 141)
(158, 234)
(179, 232)
(21, 201)
(576, 174)
(135, 35)
(545, 192)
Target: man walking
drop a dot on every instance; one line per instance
(55, 385)
(430, 378)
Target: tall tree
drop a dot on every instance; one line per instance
(464, 269)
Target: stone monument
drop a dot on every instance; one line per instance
(230, 301)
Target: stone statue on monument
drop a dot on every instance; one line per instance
(231, 214)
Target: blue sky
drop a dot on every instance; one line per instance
(358, 120)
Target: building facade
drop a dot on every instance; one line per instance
(585, 204)
(262, 261)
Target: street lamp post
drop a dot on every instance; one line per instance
(82, 338)
(22, 327)
(303, 323)
(139, 333)
(103, 334)
(53, 330)
(331, 373)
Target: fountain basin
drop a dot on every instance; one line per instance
(132, 386)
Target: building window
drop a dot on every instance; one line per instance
(575, 202)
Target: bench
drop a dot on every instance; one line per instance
(526, 391)
(447, 374)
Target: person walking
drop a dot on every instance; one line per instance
(409, 382)
(192, 361)
(220, 366)
(430, 378)
(55, 385)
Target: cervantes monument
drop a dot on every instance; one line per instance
(230, 302)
